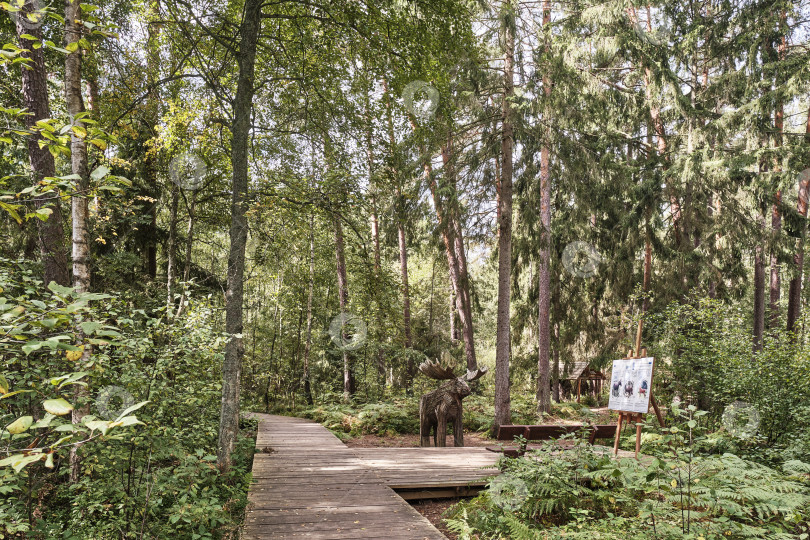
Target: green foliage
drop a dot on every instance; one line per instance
(399, 415)
(583, 493)
(706, 357)
(160, 474)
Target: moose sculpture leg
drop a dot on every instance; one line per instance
(443, 405)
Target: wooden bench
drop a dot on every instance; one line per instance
(544, 433)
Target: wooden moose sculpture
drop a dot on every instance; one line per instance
(443, 405)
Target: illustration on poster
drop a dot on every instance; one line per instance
(630, 384)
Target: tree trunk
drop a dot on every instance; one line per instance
(544, 273)
(171, 250)
(456, 238)
(775, 281)
(556, 372)
(447, 214)
(152, 120)
(187, 258)
(79, 205)
(343, 300)
(503, 340)
(795, 292)
(240, 131)
(406, 294)
(310, 290)
(402, 239)
(35, 98)
(759, 294)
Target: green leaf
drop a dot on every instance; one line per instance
(59, 289)
(58, 406)
(98, 425)
(3, 385)
(43, 422)
(8, 395)
(100, 172)
(18, 461)
(127, 421)
(20, 425)
(32, 346)
(132, 409)
(89, 327)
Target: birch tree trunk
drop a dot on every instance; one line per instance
(503, 340)
(79, 200)
(234, 296)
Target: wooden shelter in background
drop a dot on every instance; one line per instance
(582, 371)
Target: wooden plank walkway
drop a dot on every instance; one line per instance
(308, 484)
(420, 473)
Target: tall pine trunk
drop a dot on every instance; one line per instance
(503, 338)
(544, 271)
(234, 296)
(50, 232)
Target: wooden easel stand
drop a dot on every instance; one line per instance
(638, 418)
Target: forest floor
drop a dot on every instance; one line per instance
(433, 509)
(412, 441)
(430, 508)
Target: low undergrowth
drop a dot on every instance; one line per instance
(682, 492)
(400, 415)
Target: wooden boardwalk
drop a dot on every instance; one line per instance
(308, 484)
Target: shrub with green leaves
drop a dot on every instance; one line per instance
(157, 471)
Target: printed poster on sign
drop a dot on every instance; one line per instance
(630, 385)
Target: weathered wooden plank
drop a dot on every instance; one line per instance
(308, 484)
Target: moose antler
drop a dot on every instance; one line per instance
(470, 376)
(435, 371)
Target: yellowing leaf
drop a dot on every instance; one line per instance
(20, 425)
(58, 406)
